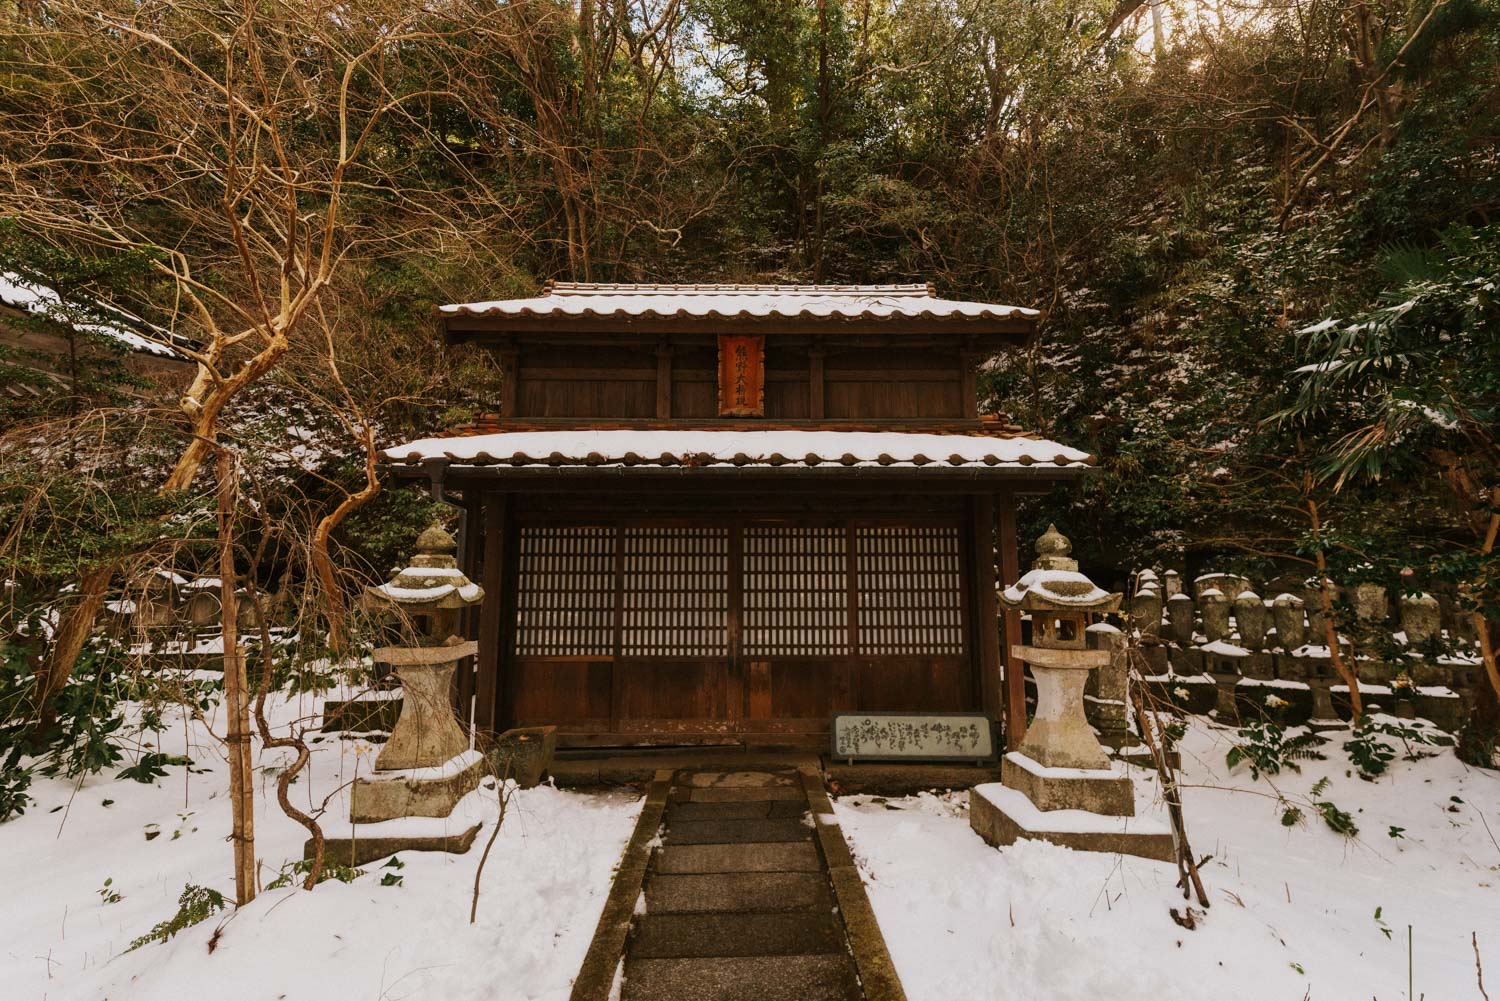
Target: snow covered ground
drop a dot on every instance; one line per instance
(1293, 915)
(543, 889)
(1294, 910)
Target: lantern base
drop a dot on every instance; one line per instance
(1003, 816)
(416, 792)
(1105, 791)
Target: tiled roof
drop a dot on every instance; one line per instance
(807, 302)
(742, 448)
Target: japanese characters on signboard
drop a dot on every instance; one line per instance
(742, 375)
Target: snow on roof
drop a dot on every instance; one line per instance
(38, 299)
(816, 302)
(739, 448)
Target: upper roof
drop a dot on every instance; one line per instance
(610, 301)
(780, 448)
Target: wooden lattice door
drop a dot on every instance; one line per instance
(672, 668)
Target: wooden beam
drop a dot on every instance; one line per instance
(986, 617)
(664, 379)
(486, 682)
(1010, 572)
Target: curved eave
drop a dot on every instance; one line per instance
(941, 476)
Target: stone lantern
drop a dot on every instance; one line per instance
(427, 765)
(1060, 765)
(430, 594)
(1062, 603)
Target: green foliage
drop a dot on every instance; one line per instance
(1372, 756)
(14, 781)
(151, 766)
(1267, 748)
(196, 904)
(1341, 821)
(108, 893)
(296, 871)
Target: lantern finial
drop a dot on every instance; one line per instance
(1052, 551)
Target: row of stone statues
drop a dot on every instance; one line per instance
(1289, 621)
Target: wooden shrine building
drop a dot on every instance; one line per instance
(721, 513)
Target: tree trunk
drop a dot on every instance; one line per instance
(1330, 631)
(73, 629)
(236, 701)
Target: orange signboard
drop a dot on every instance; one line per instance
(742, 375)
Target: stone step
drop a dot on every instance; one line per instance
(738, 892)
(673, 936)
(742, 978)
(736, 794)
(786, 856)
(735, 832)
(753, 810)
(756, 810)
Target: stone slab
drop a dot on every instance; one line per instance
(901, 779)
(742, 978)
(1102, 792)
(740, 892)
(359, 851)
(734, 832)
(673, 936)
(789, 856)
(754, 810)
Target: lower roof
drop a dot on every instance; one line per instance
(762, 449)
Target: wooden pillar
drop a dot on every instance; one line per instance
(510, 380)
(663, 379)
(986, 621)
(486, 682)
(815, 393)
(1010, 571)
(969, 362)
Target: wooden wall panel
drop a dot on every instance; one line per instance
(892, 399)
(588, 397)
(787, 400)
(694, 398)
(918, 684)
(562, 691)
(669, 689)
(806, 688)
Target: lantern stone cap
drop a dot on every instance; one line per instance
(433, 580)
(1058, 590)
(1054, 583)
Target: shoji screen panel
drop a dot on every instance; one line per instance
(910, 586)
(565, 595)
(675, 592)
(795, 592)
